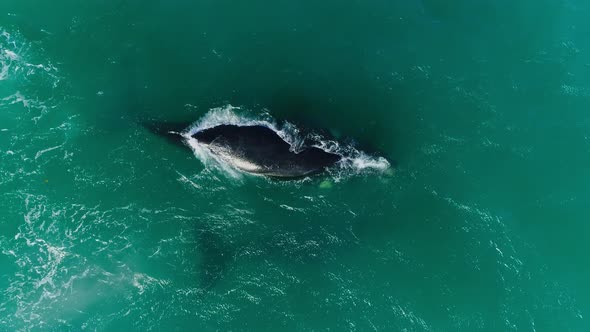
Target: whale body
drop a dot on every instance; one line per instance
(255, 149)
(260, 150)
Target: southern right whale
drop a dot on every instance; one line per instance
(260, 150)
(255, 149)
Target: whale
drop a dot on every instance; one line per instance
(255, 149)
(259, 149)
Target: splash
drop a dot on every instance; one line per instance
(353, 161)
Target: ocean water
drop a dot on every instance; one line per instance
(464, 205)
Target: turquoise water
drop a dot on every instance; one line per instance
(482, 225)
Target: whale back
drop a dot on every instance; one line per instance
(259, 149)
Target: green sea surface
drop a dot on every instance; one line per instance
(481, 224)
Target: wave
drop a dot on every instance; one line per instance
(30, 89)
(25, 70)
(16, 63)
(353, 161)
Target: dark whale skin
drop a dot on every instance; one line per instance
(260, 150)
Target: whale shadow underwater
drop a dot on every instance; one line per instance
(255, 149)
